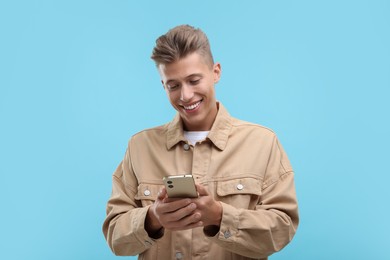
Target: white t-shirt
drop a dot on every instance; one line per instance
(195, 136)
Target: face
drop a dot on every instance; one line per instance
(189, 84)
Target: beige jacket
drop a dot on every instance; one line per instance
(242, 164)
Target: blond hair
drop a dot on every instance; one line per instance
(179, 42)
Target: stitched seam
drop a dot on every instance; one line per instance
(282, 176)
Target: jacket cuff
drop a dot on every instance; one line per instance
(228, 228)
(139, 226)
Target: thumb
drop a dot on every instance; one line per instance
(202, 190)
(162, 194)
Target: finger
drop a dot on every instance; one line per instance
(181, 217)
(168, 200)
(202, 190)
(190, 221)
(173, 206)
(162, 194)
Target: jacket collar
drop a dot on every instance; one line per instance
(218, 134)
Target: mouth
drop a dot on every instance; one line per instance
(193, 106)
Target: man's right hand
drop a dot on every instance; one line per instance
(172, 214)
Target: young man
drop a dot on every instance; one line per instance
(247, 206)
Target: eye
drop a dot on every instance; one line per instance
(172, 86)
(194, 82)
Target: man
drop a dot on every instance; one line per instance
(247, 206)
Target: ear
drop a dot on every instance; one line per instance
(217, 72)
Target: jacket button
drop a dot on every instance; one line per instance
(146, 192)
(179, 255)
(240, 186)
(227, 234)
(186, 147)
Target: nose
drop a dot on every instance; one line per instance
(186, 93)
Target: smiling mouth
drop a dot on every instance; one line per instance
(193, 106)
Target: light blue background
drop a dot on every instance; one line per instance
(76, 82)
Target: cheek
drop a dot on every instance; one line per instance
(210, 90)
(172, 98)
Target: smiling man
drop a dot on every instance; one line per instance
(246, 206)
(189, 83)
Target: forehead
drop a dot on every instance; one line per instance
(184, 67)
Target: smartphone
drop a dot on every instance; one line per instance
(180, 186)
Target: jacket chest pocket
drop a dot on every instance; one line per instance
(242, 193)
(147, 193)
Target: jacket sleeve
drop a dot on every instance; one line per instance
(123, 227)
(271, 226)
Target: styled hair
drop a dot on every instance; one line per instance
(179, 42)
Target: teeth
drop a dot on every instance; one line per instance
(192, 106)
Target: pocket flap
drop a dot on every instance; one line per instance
(239, 186)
